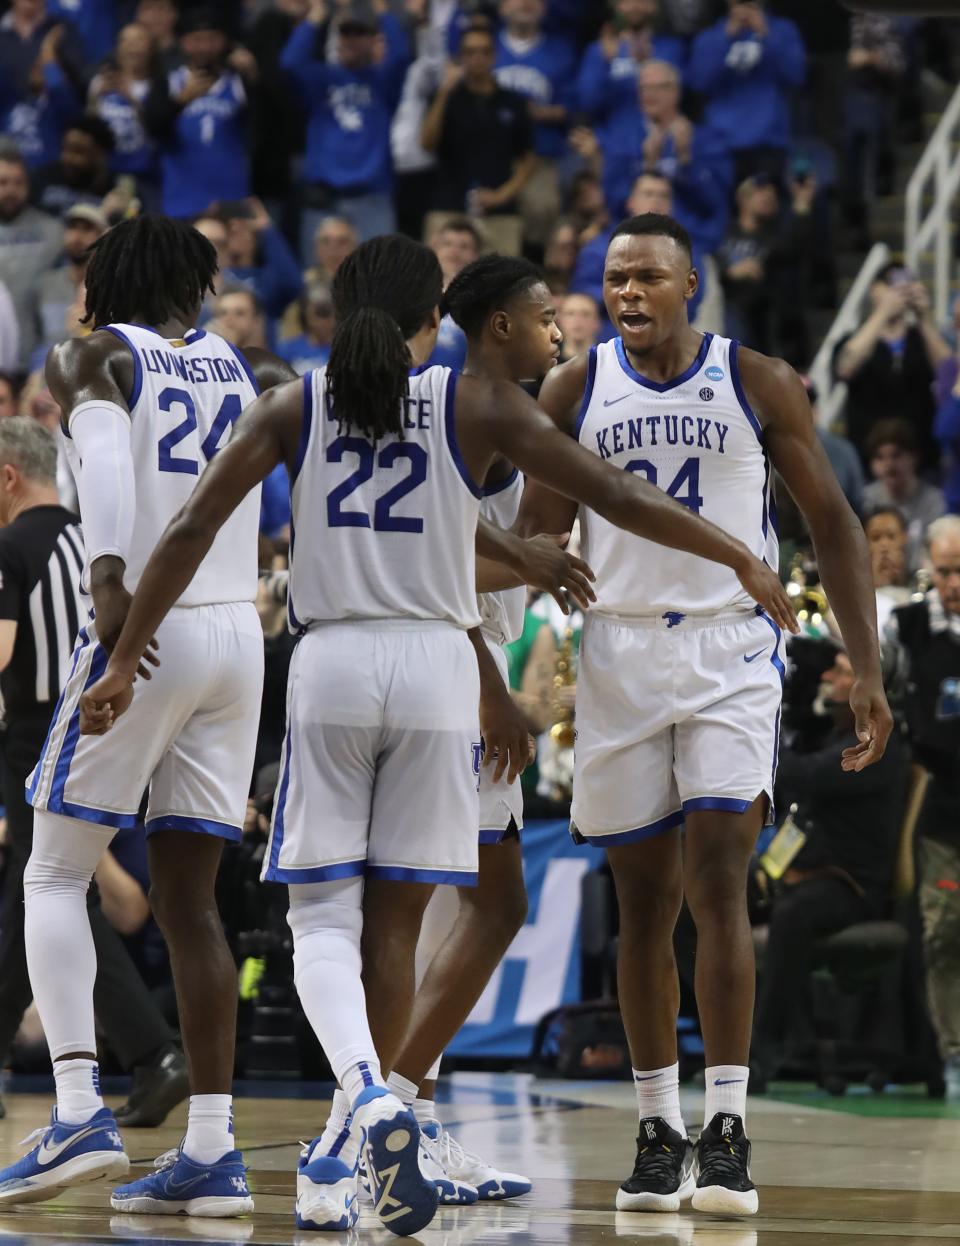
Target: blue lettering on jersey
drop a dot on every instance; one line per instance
(671, 430)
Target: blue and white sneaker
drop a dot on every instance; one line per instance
(180, 1186)
(65, 1155)
(403, 1197)
(466, 1168)
(451, 1191)
(327, 1194)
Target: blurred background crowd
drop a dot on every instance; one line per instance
(780, 133)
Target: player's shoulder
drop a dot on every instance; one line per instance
(769, 382)
(78, 361)
(564, 386)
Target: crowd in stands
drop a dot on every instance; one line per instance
(288, 132)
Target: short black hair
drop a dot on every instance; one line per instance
(486, 286)
(97, 129)
(655, 225)
(150, 266)
(895, 432)
(877, 511)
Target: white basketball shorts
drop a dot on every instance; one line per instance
(500, 803)
(674, 714)
(382, 756)
(189, 734)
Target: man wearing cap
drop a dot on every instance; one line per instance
(347, 167)
(57, 289)
(198, 114)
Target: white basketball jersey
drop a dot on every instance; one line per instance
(383, 530)
(696, 438)
(187, 395)
(501, 613)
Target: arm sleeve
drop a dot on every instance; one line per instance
(786, 53)
(106, 485)
(62, 98)
(299, 60)
(708, 60)
(593, 85)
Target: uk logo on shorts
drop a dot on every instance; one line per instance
(713, 373)
(477, 759)
(706, 394)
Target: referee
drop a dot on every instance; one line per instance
(41, 607)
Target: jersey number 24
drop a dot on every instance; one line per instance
(225, 419)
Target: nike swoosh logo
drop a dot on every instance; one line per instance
(652, 1077)
(731, 1081)
(612, 402)
(181, 1187)
(47, 1153)
(753, 656)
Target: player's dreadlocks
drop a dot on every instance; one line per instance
(382, 295)
(485, 286)
(151, 267)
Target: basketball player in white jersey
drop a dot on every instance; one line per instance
(506, 311)
(145, 410)
(679, 686)
(377, 800)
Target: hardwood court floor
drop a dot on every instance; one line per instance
(883, 1171)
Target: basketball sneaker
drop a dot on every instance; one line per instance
(327, 1195)
(403, 1197)
(451, 1191)
(179, 1184)
(662, 1175)
(466, 1168)
(65, 1155)
(723, 1169)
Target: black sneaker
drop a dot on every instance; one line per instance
(663, 1173)
(723, 1169)
(157, 1089)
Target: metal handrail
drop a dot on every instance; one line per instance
(939, 167)
(832, 392)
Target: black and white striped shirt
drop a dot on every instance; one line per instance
(41, 562)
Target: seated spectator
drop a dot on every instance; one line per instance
(843, 873)
(886, 532)
(30, 242)
(482, 178)
(58, 288)
(542, 68)
(82, 174)
(694, 158)
(197, 113)
(346, 167)
(9, 395)
(890, 361)
(925, 638)
(745, 66)
(457, 242)
(311, 348)
(607, 85)
(238, 317)
(842, 454)
(560, 257)
(35, 121)
(893, 454)
(579, 321)
(876, 61)
(117, 95)
(763, 263)
(257, 256)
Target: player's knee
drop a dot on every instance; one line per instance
(176, 913)
(649, 909)
(717, 893)
(501, 911)
(52, 876)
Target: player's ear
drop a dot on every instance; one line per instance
(500, 324)
(692, 284)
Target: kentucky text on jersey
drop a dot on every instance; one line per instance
(198, 370)
(653, 430)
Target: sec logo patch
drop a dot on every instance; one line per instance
(706, 393)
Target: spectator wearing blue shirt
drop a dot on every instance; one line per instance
(257, 256)
(25, 29)
(347, 168)
(198, 114)
(311, 348)
(35, 123)
(745, 66)
(456, 244)
(117, 95)
(542, 68)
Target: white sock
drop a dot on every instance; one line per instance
(327, 920)
(658, 1094)
(405, 1090)
(78, 1090)
(60, 954)
(434, 1070)
(726, 1091)
(425, 1110)
(209, 1128)
(337, 1140)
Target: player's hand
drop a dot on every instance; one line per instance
(103, 702)
(765, 588)
(111, 605)
(874, 724)
(503, 727)
(547, 566)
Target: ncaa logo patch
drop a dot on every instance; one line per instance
(713, 373)
(706, 394)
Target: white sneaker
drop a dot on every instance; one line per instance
(404, 1199)
(327, 1195)
(450, 1190)
(465, 1167)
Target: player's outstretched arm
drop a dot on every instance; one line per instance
(541, 509)
(505, 560)
(526, 435)
(266, 434)
(778, 397)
